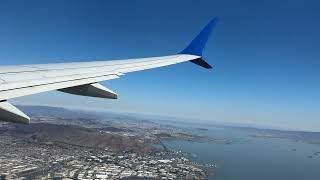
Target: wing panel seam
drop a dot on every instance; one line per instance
(43, 69)
(112, 71)
(57, 82)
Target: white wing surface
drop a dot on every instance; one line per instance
(81, 78)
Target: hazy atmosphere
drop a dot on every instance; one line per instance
(254, 115)
(265, 56)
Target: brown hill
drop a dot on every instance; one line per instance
(79, 136)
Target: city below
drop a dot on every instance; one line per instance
(81, 148)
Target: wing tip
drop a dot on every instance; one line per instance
(201, 63)
(198, 43)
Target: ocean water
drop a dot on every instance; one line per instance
(252, 158)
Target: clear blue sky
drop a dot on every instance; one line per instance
(265, 55)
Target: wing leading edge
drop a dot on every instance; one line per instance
(81, 78)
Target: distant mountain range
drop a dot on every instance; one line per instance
(309, 137)
(55, 112)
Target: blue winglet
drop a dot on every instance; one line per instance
(197, 44)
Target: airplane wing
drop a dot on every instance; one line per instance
(82, 78)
